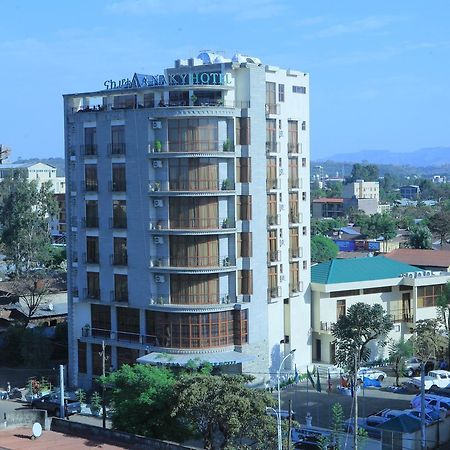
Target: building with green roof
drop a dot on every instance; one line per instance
(406, 292)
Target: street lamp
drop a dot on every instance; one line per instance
(280, 442)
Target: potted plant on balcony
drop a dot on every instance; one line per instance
(226, 262)
(225, 223)
(226, 184)
(157, 146)
(226, 146)
(193, 99)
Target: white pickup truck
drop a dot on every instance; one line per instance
(439, 378)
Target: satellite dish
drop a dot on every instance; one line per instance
(37, 430)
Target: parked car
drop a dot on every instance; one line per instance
(411, 366)
(371, 374)
(386, 414)
(307, 438)
(440, 392)
(434, 402)
(51, 403)
(439, 378)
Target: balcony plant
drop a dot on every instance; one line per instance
(156, 185)
(193, 99)
(225, 223)
(226, 185)
(157, 146)
(226, 146)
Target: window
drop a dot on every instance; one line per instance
(120, 288)
(243, 131)
(193, 174)
(193, 135)
(294, 279)
(244, 207)
(128, 324)
(340, 308)
(272, 246)
(194, 251)
(303, 162)
(196, 212)
(92, 214)
(293, 179)
(272, 277)
(120, 251)
(281, 92)
(92, 250)
(304, 231)
(82, 363)
(271, 97)
(427, 295)
(118, 140)
(271, 173)
(149, 100)
(347, 293)
(305, 265)
(292, 136)
(194, 289)
(304, 125)
(304, 196)
(93, 285)
(243, 170)
(271, 135)
(245, 282)
(299, 89)
(90, 176)
(272, 209)
(377, 290)
(90, 141)
(118, 178)
(293, 208)
(100, 321)
(244, 245)
(119, 214)
(293, 243)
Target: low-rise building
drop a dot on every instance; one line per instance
(436, 260)
(406, 292)
(410, 191)
(362, 195)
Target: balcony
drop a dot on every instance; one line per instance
(273, 219)
(273, 256)
(201, 186)
(117, 149)
(295, 253)
(194, 300)
(293, 147)
(273, 293)
(272, 108)
(214, 224)
(89, 150)
(326, 326)
(217, 147)
(272, 147)
(272, 184)
(400, 315)
(107, 334)
(295, 288)
(294, 183)
(192, 263)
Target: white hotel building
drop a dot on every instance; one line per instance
(188, 209)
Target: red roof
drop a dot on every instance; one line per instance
(417, 257)
(328, 200)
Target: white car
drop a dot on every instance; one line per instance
(371, 374)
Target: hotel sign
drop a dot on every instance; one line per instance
(172, 79)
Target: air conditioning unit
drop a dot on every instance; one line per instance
(419, 274)
(411, 274)
(159, 278)
(156, 124)
(281, 133)
(428, 273)
(158, 203)
(158, 240)
(157, 163)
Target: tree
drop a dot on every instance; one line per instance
(366, 172)
(443, 314)
(33, 288)
(225, 411)
(420, 237)
(143, 399)
(440, 224)
(24, 213)
(380, 225)
(398, 352)
(354, 332)
(323, 226)
(323, 249)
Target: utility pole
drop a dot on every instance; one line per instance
(104, 358)
(355, 400)
(423, 444)
(61, 392)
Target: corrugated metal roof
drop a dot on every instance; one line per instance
(358, 269)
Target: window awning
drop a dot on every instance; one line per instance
(182, 359)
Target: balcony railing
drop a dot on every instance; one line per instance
(90, 221)
(193, 262)
(272, 147)
(326, 326)
(119, 259)
(225, 146)
(274, 256)
(119, 296)
(273, 219)
(192, 299)
(211, 185)
(89, 150)
(273, 292)
(212, 223)
(118, 222)
(117, 186)
(293, 147)
(400, 315)
(117, 148)
(272, 184)
(272, 108)
(91, 294)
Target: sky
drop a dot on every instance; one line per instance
(379, 71)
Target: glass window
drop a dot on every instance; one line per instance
(119, 214)
(100, 321)
(245, 282)
(93, 285)
(119, 178)
(281, 92)
(90, 141)
(243, 131)
(118, 139)
(299, 89)
(194, 289)
(120, 288)
(244, 207)
(92, 250)
(90, 175)
(243, 170)
(244, 245)
(91, 214)
(193, 135)
(120, 251)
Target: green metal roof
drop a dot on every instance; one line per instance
(358, 269)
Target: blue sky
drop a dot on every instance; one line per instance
(380, 71)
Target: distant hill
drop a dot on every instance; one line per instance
(55, 162)
(436, 156)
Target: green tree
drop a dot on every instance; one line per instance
(380, 225)
(420, 237)
(439, 223)
(24, 215)
(354, 332)
(323, 249)
(443, 314)
(398, 352)
(324, 226)
(335, 190)
(427, 339)
(225, 411)
(366, 172)
(142, 398)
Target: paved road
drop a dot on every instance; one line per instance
(319, 404)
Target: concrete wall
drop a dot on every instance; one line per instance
(118, 437)
(26, 417)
